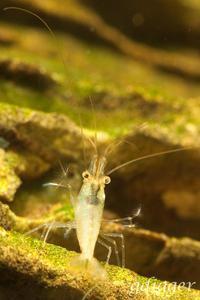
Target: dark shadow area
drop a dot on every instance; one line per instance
(158, 22)
(26, 75)
(56, 22)
(16, 286)
(147, 188)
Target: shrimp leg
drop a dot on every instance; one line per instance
(68, 187)
(68, 226)
(109, 248)
(113, 242)
(121, 236)
(47, 233)
(68, 231)
(128, 220)
(49, 226)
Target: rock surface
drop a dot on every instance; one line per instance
(46, 272)
(36, 142)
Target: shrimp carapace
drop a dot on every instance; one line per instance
(89, 207)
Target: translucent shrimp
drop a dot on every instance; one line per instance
(89, 209)
(89, 204)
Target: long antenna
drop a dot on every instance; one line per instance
(57, 42)
(94, 121)
(149, 156)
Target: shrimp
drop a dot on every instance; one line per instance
(89, 204)
(89, 208)
(90, 201)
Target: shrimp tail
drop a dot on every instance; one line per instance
(91, 266)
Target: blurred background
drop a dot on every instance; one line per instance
(138, 63)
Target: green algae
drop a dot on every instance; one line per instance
(57, 260)
(91, 72)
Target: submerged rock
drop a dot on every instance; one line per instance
(29, 270)
(148, 253)
(36, 143)
(25, 74)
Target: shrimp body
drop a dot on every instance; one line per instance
(89, 207)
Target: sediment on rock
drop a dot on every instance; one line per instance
(47, 272)
(36, 142)
(148, 253)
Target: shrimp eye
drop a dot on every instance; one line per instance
(86, 174)
(107, 180)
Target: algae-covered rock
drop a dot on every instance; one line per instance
(148, 253)
(48, 135)
(25, 74)
(16, 165)
(9, 181)
(84, 20)
(153, 254)
(47, 274)
(36, 142)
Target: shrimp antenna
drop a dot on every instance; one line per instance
(94, 122)
(57, 42)
(113, 145)
(82, 139)
(149, 156)
(92, 143)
